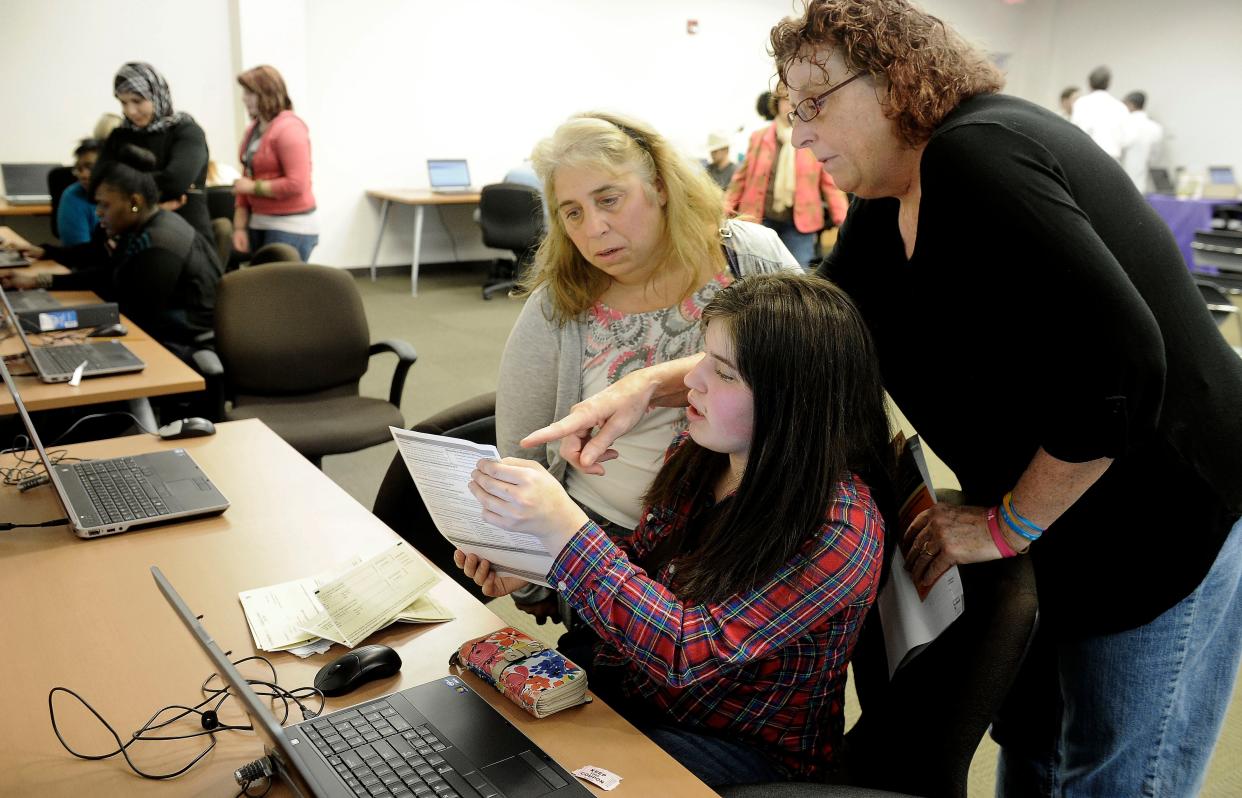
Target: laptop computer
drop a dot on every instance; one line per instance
(104, 497)
(411, 742)
(449, 176)
(33, 299)
(1221, 183)
(1161, 182)
(12, 259)
(58, 363)
(26, 183)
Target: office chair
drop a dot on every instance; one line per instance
(58, 180)
(918, 732)
(291, 344)
(1219, 305)
(220, 202)
(222, 232)
(400, 507)
(1219, 251)
(275, 252)
(511, 217)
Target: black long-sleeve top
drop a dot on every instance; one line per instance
(1047, 305)
(163, 276)
(181, 166)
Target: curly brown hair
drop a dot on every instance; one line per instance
(928, 67)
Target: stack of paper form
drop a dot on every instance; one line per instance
(345, 604)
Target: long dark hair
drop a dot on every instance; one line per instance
(802, 347)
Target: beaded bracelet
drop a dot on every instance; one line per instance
(1013, 525)
(998, 537)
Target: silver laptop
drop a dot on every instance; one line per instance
(104, 497)
(26, 183)
(59, 362)
(33, 299)
(12, 259)
(439, 738)
(449, 176)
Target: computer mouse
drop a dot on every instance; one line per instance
(194, 427)
(109, 331)
(350, 671)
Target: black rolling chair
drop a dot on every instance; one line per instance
(220, 202)
(58, 180)
(511, 217)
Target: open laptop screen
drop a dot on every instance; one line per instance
(448, 173)
(27, 180)
(1221, 175)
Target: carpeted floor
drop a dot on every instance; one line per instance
(459, 338)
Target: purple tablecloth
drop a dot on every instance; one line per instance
(1184, 217)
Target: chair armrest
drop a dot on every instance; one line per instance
(405, 358)
(207, 362)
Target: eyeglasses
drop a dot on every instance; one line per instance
(809, 108)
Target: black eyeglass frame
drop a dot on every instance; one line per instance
(811, 105)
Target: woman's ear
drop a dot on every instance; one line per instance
(661, 191)
(137, 202)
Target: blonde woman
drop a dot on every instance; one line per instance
(636, 247)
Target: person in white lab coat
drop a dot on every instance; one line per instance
(1140, 138)
(1101, 114)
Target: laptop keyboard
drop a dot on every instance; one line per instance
(120, 490)
(379, 754)
(64, 358)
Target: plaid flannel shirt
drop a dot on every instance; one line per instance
(766, 667)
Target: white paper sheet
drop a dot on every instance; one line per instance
(440, 468)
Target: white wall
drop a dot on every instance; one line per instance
(394, 83)
(61, 57)
(386, 84)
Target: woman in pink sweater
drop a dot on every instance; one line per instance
(783, 186)
(274, 199)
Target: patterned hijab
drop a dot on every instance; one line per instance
(141, 78)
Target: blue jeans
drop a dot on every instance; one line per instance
(800, 245)
(714, 761)
(1141, 709)
(302, 243)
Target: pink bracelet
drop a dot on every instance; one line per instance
(998, 537)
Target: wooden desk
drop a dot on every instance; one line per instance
(165, 373)
(419, 198)
(85, 614)
(6, 209)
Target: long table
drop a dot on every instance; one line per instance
(164, 374)
(419, 199)
(85, 614)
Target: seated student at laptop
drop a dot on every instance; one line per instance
(724, 626)
(161, 273)
(75, 216)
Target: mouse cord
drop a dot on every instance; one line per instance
(207, 712)
(28, 466)
(74, 425)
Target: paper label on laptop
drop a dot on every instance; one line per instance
(440, 468)
(58, 320)
(604, 779)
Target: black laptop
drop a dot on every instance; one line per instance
(59, 362)
(12, 259)
(437, 739)
(1161, 182)
(104, 497)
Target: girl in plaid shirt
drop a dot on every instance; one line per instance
(726, 624)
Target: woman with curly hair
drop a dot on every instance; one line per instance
(1035, 322)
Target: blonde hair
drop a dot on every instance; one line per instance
(692, 219)
(104, 127)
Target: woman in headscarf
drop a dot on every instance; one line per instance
(176, 140)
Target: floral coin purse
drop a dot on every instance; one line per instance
(536, 678)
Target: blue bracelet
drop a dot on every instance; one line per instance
(1018, 530)
(1028, 523)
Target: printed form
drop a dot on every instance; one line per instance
(440, 468)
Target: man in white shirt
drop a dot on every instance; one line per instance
(1101, 114)
(1140, 136)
